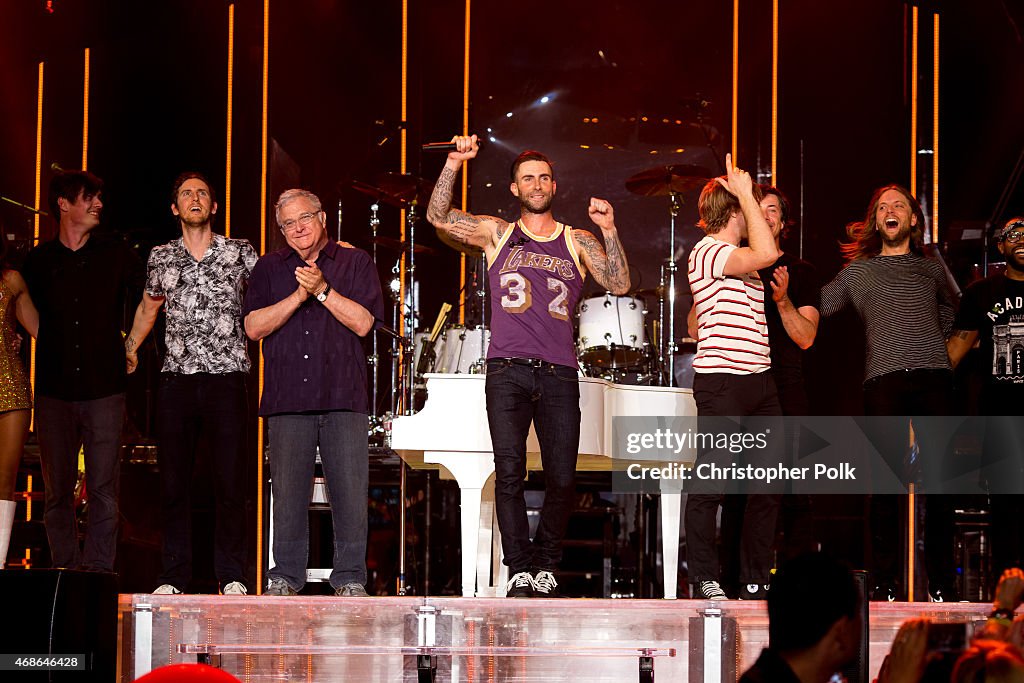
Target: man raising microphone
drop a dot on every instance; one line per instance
(536, 267)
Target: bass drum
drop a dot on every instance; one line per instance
(464, 351)
(611, 331)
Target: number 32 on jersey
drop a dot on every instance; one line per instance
(517, 297)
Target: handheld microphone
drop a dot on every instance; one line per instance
(446, 146)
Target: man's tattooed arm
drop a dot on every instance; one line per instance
(959, 343)
(461, 227)
(607, 264)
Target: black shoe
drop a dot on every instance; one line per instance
(520, 586)
(885, 593)
(710, 590)
(544, 584)
(754, 591)
(943, 594)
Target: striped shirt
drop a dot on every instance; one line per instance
(906, 306)
(732, 333)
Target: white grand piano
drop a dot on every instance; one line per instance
(451, 431)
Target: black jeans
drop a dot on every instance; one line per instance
(548, 396)
(906, 393)
(62, 428)
(211, 407)
(720, 394)
(796, 509)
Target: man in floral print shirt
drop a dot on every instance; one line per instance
(201, 278)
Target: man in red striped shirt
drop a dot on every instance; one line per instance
(731, 372)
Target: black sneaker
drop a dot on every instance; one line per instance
(544, 584)
(520, 586)
(710, 590)
(943, 594)
(885, 593)
(754, 591)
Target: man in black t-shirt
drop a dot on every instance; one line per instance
(992, 314)
(792, 315)
(80, 282)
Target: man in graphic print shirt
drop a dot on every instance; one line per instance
(731, 372)
(201, 277)
(536, 268)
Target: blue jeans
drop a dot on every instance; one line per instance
(548, 396)
(344, 453)
(190, 407)
(62, 427)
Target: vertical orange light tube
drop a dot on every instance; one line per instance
(39, 151)
(263, 250)
(404, 284)
(227, 153)
(735, 77)
(85, 112)
(35, 218)
(775, 91)
(913, 102)
(465, 166)
(935, 129)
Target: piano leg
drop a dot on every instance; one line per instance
(670, 508)
(471, 471)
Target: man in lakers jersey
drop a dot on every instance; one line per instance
(535, 269)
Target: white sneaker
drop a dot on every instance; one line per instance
(710, 590)
(544, 584)
(235, 588)
(167, 589)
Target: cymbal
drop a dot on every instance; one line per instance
(649, 291)
(367, 188)
(402, 190)
(665, 180)
(399, 245)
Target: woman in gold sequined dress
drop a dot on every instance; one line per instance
(15, 396)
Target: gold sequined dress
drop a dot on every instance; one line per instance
(14, 389)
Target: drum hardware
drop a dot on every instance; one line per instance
(668, 181)
(611, 331)
(406, 192)
(426, 348)
(398, 245)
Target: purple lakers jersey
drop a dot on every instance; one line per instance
(535, 283)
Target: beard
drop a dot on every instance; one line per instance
(194, 220)
(543, 207)
(1014, 261)
(901, 236)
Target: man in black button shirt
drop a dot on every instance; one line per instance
(311, 303)
(80, 284)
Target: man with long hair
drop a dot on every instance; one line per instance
(907, 309)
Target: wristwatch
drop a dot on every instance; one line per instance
(322, 296)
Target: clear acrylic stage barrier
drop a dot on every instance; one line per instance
(468, 639)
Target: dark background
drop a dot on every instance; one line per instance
(158, 106)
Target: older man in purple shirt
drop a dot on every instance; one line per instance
(311, 303)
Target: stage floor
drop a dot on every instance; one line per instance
(471, 639)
